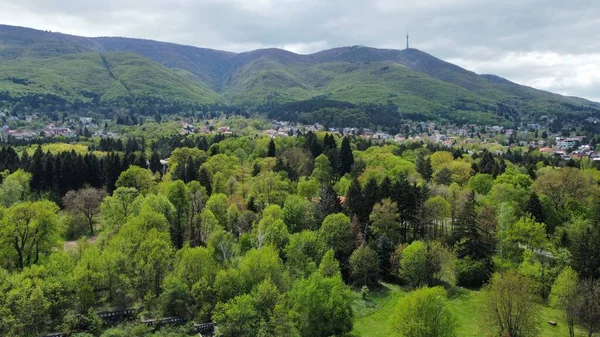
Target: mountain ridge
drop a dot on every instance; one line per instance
(412, 79)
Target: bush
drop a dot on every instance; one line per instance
(472, 273)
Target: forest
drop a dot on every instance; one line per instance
(299, 236)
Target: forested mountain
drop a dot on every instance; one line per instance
(111, 69)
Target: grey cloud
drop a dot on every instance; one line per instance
(487, 36)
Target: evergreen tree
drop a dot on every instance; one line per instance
(371, 197)
(423, 166)
(355, 202)
(534, 207)
(272, 149)
(141, 161)
(155, 165)
(37, 170)
(346, 157)
(488, 164)
(25, 161)
(328, 204)
(585, 245)
(191, 170)
(467, 234)
(385, 188)
(205, 180)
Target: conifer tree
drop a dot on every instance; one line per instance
(272, 149)
(37, 170)
(467, 234)
(155, 165)
(346, 157)
(205, 180)
(534, 207)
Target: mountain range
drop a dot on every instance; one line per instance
(111, 69)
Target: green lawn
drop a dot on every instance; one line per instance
(372, 316)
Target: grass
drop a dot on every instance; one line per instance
(372, 317)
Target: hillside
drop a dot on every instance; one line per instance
(114, 68)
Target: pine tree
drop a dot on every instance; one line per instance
(155, 165)
(488, 164)
(371, 197)
(25, 161)
(534, 207)
(355, 201)
(205, 180)
(328, 204)
(191, 170)
(272, 149)
(346, 157)
(467, 234)
(141, 161)
(423, 166)
(37, 170)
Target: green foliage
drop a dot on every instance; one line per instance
(424, 313)
(323, 306)
(471, 273)
(413, 266)
(364, 266)
(510, 304)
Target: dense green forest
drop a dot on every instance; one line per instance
(308, 235)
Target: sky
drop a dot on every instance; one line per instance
(548, 44)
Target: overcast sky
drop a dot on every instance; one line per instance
(548, 44)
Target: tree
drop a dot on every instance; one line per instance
(272, 151)
(467, 234)
(205, 179)
(385, 220)
(440, 263)
(31, 229)
(534, 208)
(117, 208)
(328, 204)
(588, 310)
(322, 306)
(424, 313)
(329, 267)
(238, 317)
(355, 203)
(86, 202)
(414, 264)
(488, 165)
(14, 188)
(440, 159)
(423, 166)
(523, 234)
(364, 266)
(155, 165)
(298, 213)
(443, 176)
(139, 178)
(510, 303)
(178, 196)
(565, 295)
(336, 232)
(481, 183)
(346, 157)
(322, 172)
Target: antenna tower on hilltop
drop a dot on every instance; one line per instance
(407, 45)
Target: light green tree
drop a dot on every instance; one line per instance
(424, 313)
(565, 295)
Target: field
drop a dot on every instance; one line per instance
(372, 316)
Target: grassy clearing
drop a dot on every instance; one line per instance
(372, 317)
